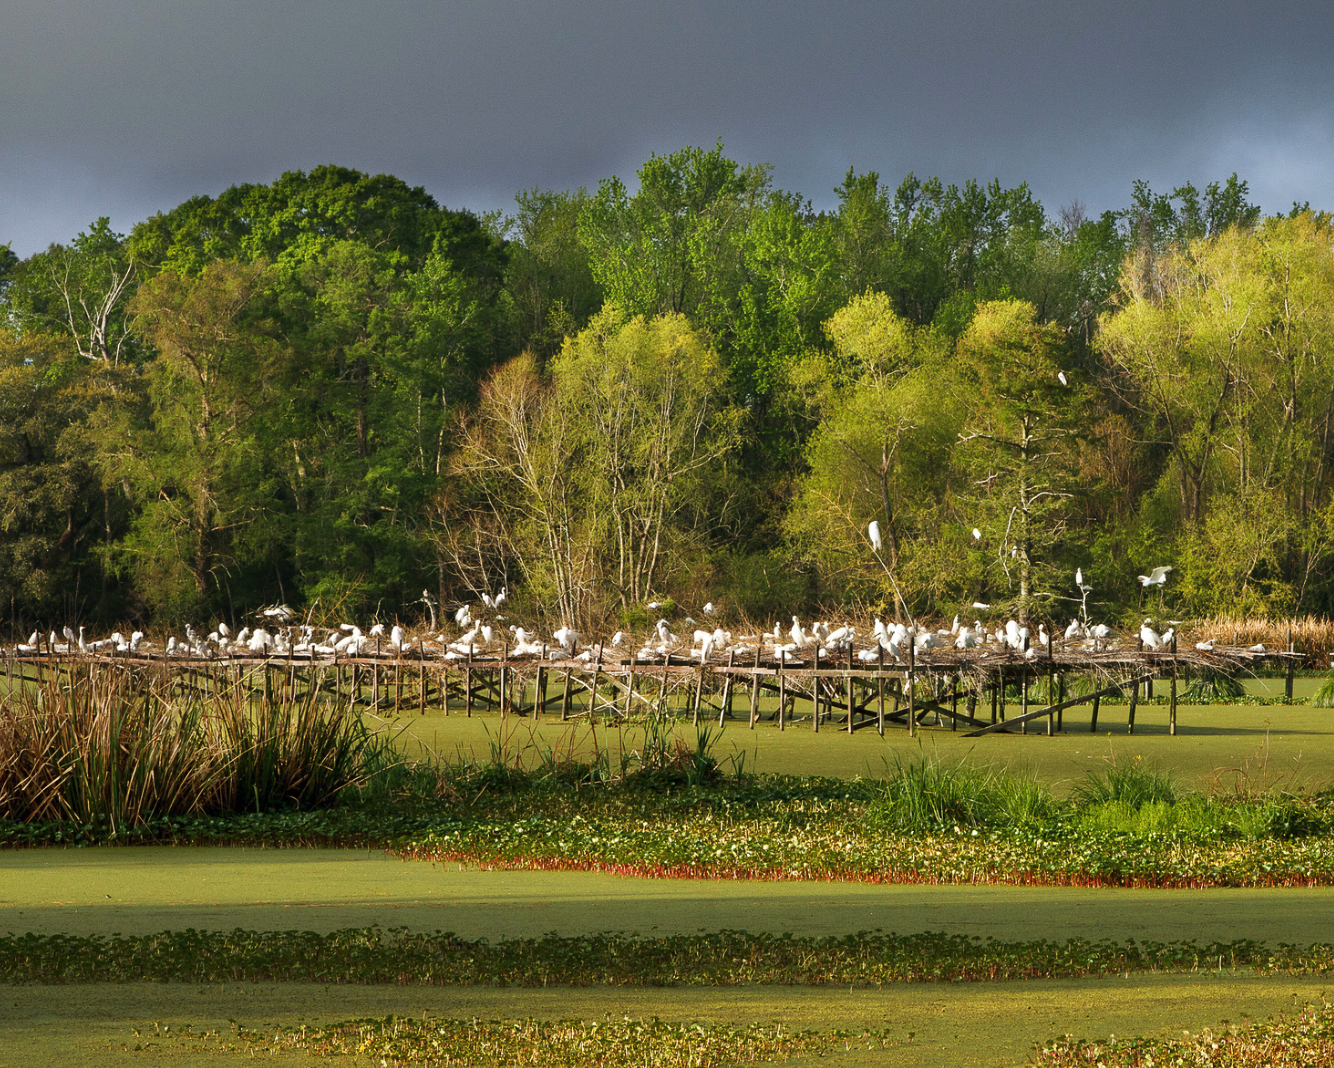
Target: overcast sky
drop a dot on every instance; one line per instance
(128, 108)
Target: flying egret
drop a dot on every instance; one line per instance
(1156, 577)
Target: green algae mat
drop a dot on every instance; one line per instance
(146, 889)
(1215, 745)
(968, 1025)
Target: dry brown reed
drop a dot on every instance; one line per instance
(1311, 636)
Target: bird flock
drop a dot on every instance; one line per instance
(483, 631)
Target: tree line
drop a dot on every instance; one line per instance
(332, 391)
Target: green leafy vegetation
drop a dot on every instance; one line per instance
(1285, 1041)
(723, 958)
(333, 391)
(610, 1042)
(929, 821)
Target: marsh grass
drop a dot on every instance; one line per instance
(1212, 687)
(928, 794)
(120, 746)
(1324, 695)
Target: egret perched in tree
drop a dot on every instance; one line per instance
(977, 534)
(1060, 377)
(873, 531)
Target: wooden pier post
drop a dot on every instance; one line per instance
(565, 698)
(593, 690)
(912, 686)
(726, 711)
(815, 691)
(1287, 686)
(699, 693)
(421, 678)
(1172, 701)
(1093, 723)
(880, 689)
(782, 694)
(1130, 721)
(467, 683)
(849, 688)
(755, 691)
(539, 687)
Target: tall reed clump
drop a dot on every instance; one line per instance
(121, 746)
(928, 794)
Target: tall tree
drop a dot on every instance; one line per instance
(1018, 444)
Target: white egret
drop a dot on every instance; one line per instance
(1156, 577)
(1150, 637)
(873, 531)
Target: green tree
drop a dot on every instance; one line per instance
(81, 289)
(549, 278)
(881, 448)
(1018, 445)
(192, 459)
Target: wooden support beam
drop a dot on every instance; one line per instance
(1092, 697)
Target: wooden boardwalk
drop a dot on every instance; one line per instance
(982, 691)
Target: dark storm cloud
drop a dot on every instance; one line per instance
(128, 108)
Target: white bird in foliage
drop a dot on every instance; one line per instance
(873, 531)
(566, 638)
(709, 609)
(1156, 577)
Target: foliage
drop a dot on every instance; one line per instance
(607, 1043)
(674, 810)
(1279, 1042)
(371, 955)
(281, 394)
(592, 478)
